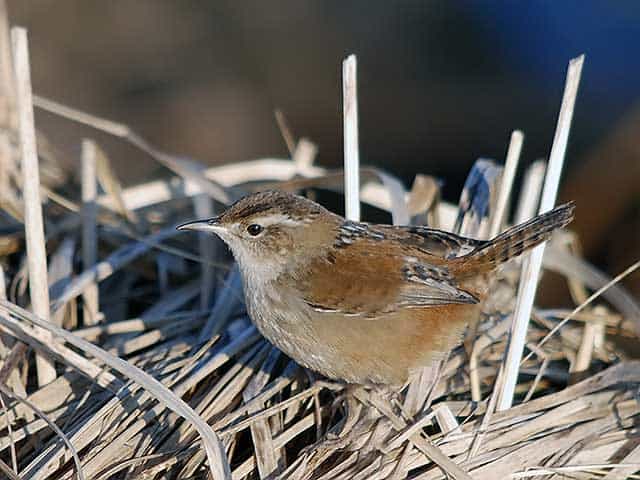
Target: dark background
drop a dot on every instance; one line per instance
(440, 84)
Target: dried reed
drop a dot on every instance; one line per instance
(159, 375)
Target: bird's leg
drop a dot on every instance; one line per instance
(470, 336)
(353, 409)
(357, 424)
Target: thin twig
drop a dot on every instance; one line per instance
(583, 305)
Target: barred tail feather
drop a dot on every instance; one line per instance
(516, 240)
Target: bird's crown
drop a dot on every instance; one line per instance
(271, 203)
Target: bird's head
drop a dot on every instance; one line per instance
(267, 230)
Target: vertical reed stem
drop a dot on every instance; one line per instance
(351, 152)
(33, 224)
(533, 261)
(89, 228)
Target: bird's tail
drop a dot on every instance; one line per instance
(515, 241)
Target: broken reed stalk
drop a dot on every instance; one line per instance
(592, 333)
(533, 261)
(89, 228)
(530, 194)
(7, 75)
(33, 224)
(111, 185)
(218, 464)
(285, 131)
(506, 182)
(304, 156)
(262, 408)
(7, 107)
(351, 149)
(495, 227)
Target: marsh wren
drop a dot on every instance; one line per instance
(361, 302)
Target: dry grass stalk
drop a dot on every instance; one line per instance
(8, 167)
(34, 229)
(496, 220)
(110, 183)
(533, 260)
(285, 131)
(89, 228)
(304, 155)
(195, 357)
(506, 183)
(351, 149)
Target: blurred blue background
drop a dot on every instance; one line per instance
(440, 84)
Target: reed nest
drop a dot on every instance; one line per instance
(143, 363)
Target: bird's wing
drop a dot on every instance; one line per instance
(366, 277)
(432, 241)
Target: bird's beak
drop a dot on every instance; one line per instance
(211, 225)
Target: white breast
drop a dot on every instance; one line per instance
(286, 321)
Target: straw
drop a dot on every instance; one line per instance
(533, 262)
(506, 182)
(171, 338)
(34, 230)
(89, 228)
(217, 459)
(351, 151)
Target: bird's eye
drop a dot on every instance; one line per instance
(254, 229)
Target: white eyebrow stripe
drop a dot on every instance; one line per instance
(277, 218)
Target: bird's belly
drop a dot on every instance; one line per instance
(364, 350)
(387, 349)
(295, 336)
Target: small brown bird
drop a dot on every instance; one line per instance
(361, 302)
